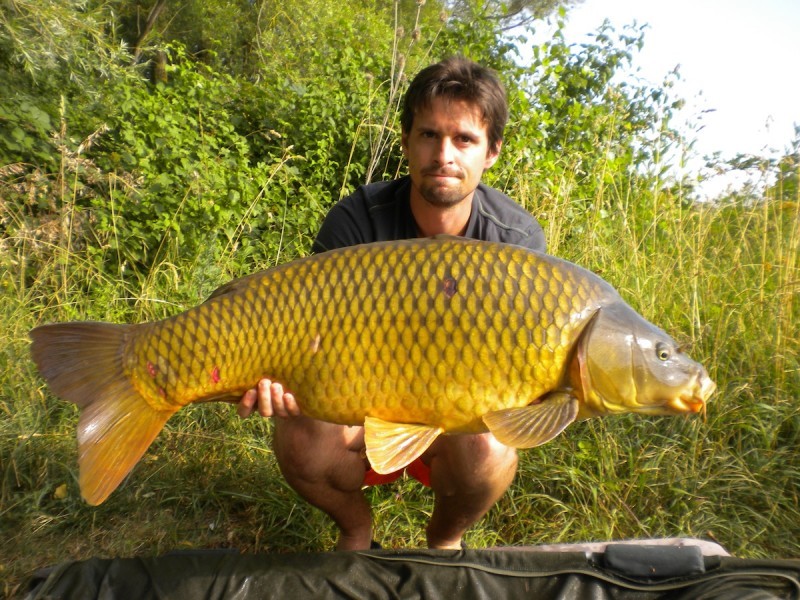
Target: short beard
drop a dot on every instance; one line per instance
(442, 198)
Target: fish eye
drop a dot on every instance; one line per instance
(662, 352)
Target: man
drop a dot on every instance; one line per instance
(452, 123)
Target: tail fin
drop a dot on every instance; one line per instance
(83, 363)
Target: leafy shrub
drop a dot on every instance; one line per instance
(193, 181)
(575, 114)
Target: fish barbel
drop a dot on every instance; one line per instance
(410, 338)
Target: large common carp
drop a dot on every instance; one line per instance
(411, 338)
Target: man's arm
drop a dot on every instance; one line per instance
(535, 240)
(501, 219)
(344, 225)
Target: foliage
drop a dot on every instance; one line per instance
(779, 175)
(194, 183)
(787, 171)
(26, 128)
(48, 53)
(577, 115)
(506, 15)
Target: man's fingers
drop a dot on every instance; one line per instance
(269, 399)
(291, 405)
(265, 404)
(245, 407)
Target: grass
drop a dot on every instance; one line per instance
(723, 280)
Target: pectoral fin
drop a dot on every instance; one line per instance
(392, 446)
(534, 424)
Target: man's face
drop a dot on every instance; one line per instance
(447, 151)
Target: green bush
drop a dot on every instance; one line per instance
(192, 181)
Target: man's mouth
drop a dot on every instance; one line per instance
(443, 174)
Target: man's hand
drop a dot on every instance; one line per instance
(269, 399)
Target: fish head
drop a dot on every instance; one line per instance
(626, 364)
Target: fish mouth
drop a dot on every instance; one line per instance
(686, 405)
(694, 400)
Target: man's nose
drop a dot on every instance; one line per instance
(445, 151)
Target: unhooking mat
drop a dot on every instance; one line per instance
(616, 571)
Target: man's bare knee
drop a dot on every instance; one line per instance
(315, 452)
(294, 445)
(470, 464)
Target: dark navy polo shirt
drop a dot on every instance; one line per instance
(380, 212)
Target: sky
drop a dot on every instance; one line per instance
(739, 64)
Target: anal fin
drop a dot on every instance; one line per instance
(392, 446)
(535, 424)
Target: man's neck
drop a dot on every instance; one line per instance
(435, 220)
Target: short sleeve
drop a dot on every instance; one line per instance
(343, 226)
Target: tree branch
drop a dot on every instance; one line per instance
(152, 17)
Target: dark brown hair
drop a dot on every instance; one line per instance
(458, 78)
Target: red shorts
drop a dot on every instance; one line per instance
(417, 469)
